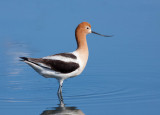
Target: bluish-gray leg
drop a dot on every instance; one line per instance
(59, 93)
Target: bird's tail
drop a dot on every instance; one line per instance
(24, 58)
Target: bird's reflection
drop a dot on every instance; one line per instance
(63, 110)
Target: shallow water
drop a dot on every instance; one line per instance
(95, 91)
(122, 76)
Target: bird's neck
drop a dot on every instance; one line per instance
(81, 42)
(82, 47)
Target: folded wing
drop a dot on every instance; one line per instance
(58, 64)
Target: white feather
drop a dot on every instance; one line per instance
(48, 73)
(62, 58)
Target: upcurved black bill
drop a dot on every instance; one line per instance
(101, 34)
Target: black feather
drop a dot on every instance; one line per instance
(24, 58)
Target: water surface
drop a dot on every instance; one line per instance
(122, 76)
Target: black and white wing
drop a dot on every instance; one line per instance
(63, 63)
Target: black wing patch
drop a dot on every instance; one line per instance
(69, 55)
(61, 66)
(56, 65)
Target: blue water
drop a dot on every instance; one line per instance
(122, 76)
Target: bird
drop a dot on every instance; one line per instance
(65, 65)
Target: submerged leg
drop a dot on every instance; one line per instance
(59, 93)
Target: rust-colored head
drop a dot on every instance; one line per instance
(84, 27)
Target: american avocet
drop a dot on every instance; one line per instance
(65, 65)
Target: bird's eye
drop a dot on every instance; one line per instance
(87, 27)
